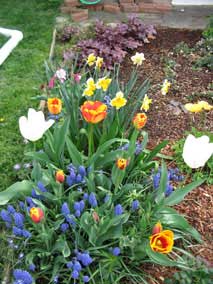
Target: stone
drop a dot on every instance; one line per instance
(112, 8)
(79, 15)
(154, 8)
(130, 8)
(174, 103)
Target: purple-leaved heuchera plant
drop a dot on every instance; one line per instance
(113, 42)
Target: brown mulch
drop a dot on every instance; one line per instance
(165, 124)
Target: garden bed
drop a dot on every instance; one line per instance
(169, 122)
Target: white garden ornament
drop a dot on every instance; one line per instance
(15, 38)
(34, 126)
(197, 151)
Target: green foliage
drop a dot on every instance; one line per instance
(207, 171)
(198, 274)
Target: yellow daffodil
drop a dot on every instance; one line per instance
(165, 87)
(138, 58)
(90, 89)
(103, 83)
(99, 62)
(119, 100)
(205, 105)
(146, 103)
(91, 59)
(193, 107)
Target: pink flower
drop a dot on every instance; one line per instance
(77, 77)
(51, 82)
(61, 75)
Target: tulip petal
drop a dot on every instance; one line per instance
(197, 151)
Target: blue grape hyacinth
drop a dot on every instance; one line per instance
(22, 277)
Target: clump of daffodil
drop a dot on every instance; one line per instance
(165, 87)
(91, 59)
(90, 88)
(99, 62)
(146, 103)
(198, 107)
(138, 58)
(103, 83)
(119, 100)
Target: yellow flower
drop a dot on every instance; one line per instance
(1, 119)
(205, 105)
(166, 86)
(99, 62)
(103, 83)
(91, 59)
(193, 107)
(119, 100)
(146, 102)
(90, 89)
(138, 58)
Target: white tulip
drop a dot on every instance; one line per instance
(34, 126)
(197, 151)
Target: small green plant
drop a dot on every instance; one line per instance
(183, 48)
(169, 68)
(205, 172)
(208, 32)
(205, 48)
(200, 274)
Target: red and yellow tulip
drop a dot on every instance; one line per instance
(54, 105)
(94, 112)
(60, 176)
(122, 163)
(161, 241)
(139, 120)
(36, 214)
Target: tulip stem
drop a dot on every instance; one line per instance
(90, 140)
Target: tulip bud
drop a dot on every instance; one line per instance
(157, 228)
(95, 216)
(60, 176)
(36, 214)
(122, 163)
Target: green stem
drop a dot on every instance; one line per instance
(90, 140)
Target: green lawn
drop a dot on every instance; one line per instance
(22, 73)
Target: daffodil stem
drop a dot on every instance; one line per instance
(90, 140)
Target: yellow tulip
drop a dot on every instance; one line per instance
(193, 107)
(205, 105)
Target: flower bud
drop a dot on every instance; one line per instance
(60, 176)
(157, 228)
(36, 214)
